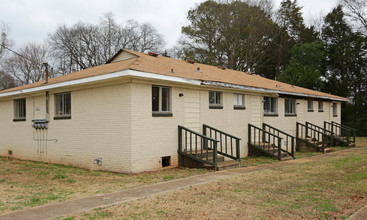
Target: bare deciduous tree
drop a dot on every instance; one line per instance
(6, 81)
(4, 39)
(356, 11)
(26, 66)
(86, 45)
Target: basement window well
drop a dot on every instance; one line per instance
(166, 161)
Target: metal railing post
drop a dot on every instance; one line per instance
(238, 150)
(249, 134)
(332, 135)
(205, 145)
(306, 128)
(180, 146)
(297, 124)
(292, 147)
(325, 125)
(215, 154)
(279, 148)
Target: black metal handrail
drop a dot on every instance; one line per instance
(226, 142)
(344, 132)
(329, 127)
(314, 137)
(193, 145)
(264, 140)
(328, 134)
(289, 139)
(316, 127)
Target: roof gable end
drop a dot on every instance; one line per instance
(121, 55)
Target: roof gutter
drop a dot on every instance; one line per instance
(256, 89)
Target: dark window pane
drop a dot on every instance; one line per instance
(22, 109)
(155, 99)
(67, 104)
(211, 97)
(165, 99)
(63, 104)
(266, 104)
(218, 98)
(310, 104)
(19, 108)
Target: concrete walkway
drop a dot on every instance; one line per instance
(86, 204)
(360, 214)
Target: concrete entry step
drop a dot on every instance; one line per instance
(226, 165)
(286, 158)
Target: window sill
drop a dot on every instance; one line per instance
(310, 110)
(271, 114)
(215, 106)
(321, 110)
(62, 117)
(290, 115)
(19, 119)
(162, 114)
(239, 107)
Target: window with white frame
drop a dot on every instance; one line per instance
(335, 109)
(321, 106)
(19, 109)
(290, 106)
(238, 100)
(215, 99)
(270, 105)
(310, 105)
(63, 105)
(161, 99)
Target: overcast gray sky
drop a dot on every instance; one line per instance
(32, 20)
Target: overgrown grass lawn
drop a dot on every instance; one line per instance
(27, 183)
(334, 187)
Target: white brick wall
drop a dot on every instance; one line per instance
(99, 127)
(115, 123)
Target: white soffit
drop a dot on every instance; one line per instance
(107, 76)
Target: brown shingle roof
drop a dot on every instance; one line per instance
(163, 65)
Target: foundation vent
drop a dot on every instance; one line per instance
(166, 161)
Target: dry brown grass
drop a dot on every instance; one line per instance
(361, 141)
(26, 183)
(303, 190)
(331, 188)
